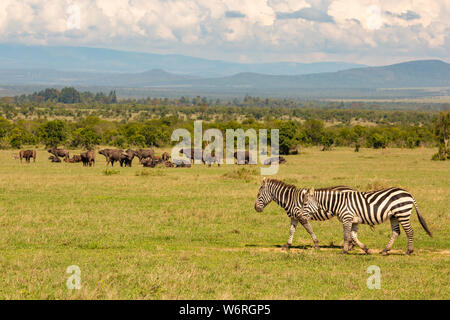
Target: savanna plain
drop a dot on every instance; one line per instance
(193, 233)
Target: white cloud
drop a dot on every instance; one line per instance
(355, 29)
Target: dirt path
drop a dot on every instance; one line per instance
(338, 249)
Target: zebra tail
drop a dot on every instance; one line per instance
(422, 220)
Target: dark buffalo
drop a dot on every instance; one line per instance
(143, 154)
(59, 152)
(111, 155)
(181, 164)
(88, 158)
(75, 158)
(275, 160)
(165, 156)
(193, 154)
(149, 162)
(244, 155)
(54, 159)
(27, 155)
(127, 157)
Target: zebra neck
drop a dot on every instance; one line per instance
(282, 197)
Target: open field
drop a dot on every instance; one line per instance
(193, 233)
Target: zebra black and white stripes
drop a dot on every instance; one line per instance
(353, 208)
(291, 198)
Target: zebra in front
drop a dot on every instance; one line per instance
(290, 198)
(372, 208)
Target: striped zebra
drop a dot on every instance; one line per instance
(353, 208)
(290, 198)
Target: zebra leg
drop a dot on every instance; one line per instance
(406, 225)
(308, 228)
(356, 240)
(347, 225)
(395, 233)
(291, 233)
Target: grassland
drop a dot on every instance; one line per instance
(193, 233)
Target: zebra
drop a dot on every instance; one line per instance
(372, 208)
(290, 198)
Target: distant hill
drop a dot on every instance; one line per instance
(420, 73)
(14, 56)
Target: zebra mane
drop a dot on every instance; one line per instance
(276, 182)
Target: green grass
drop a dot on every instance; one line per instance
(193, 233)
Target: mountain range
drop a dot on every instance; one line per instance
(15, 56)
(91, 68)
(419, 73)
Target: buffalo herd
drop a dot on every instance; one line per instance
(147, 157)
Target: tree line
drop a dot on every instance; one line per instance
(92, 131)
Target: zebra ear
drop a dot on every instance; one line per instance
(264, 180)
(311, 191)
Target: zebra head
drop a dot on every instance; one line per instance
(309, 204)
(264, 196)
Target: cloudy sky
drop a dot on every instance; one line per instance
(375, 32)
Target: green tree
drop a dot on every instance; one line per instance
(314, 130)
(53, 133)
(86, 138)
(69, 95)
(289, 138)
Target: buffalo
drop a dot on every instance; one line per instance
(54, 159)
(242, 155)
(111, 155)
(59, 152)
(143, 154)
(127, 157)
(27, 154)
(275, 160)
(165, 156)
(88, 158)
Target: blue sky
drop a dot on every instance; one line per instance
(363, 31)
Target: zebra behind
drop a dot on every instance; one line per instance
(372, 208)
(290, 198)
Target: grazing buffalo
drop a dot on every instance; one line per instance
(143, 154)
(275, 160)
(127, 157)
(88, 158)
(27, 154)
(54, 159)
(111, 155)
(59, 152)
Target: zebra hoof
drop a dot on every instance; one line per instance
(316, 247)
(384, 252)
(286, 246)
(408, 252)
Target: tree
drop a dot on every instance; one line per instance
(442, 132)
(288, 135)
(69, 95)
(53, 133)
(327, 140)
(86, 138)
(314, 130)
